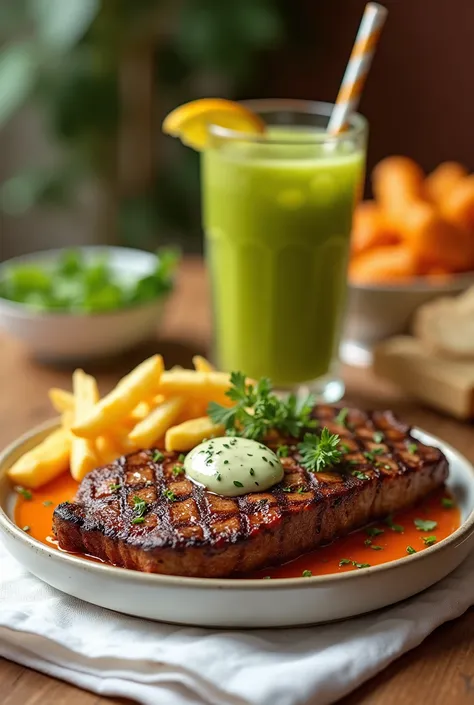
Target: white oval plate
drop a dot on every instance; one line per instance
(241, 603)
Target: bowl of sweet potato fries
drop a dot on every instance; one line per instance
(412, 243)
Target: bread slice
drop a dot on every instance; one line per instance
(446, 385)
(446, 326)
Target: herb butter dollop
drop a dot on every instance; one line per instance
(233, 466)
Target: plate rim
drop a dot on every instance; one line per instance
(7, 525)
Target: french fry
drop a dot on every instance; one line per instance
(441, 181)
(61, 400)
(141, 411)
(190, 433)
(86, 395)
(201, 385)
(141, 383)
(457, 205)
(155, 425)
(201, 364)
(45, 462)
(107, 449)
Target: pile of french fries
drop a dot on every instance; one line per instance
(149, 407)
(417, 225)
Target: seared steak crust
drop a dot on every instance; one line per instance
(189, 531)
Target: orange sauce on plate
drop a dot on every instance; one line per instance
(344, 554)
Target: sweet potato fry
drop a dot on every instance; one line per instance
(397, 181)
(371, 228)
(441, 181)
(384, 265)
(457, 205)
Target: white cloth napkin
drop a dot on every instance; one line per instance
(152, 663)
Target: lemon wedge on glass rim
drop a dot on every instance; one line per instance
(190, 122)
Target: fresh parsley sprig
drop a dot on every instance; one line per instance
(319, 452)
(257, 409)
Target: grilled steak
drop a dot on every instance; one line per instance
(186, 530)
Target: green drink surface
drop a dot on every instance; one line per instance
(277, 221)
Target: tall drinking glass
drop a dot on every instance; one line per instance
(277, 212)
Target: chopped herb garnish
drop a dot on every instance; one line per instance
(368, 542)
(369, 456)
(169, 494)
(157, 456)
(178, 470)
(251, 471)
(377, 451)
(226, 445)
(115, 486)
(425, 524)
(306, 574)
(257, 409)
(138, 520)
(282, 451)
(348, 561)
(271, 462)
(181, 457)
(373, 531)
(342, 416)
(447, 502)
(140, 507)
(412, 448)
(47, 503)
(267, 577)
(302, 489)
(218, 477)
(26, 494)
(226, 462)
(287, 489)
(360, 475)
(410, 550)
(26, 528)
(429, 540)
(395, 527)
(237, 483)
(318, 452)
(264, 458)
(378, 437)
(376, 548)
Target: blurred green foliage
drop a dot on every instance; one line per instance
(65, 55)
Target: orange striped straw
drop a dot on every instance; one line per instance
(358, 67)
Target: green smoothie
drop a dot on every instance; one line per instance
(277, 220)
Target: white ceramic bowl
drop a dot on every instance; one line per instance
(68, 337)
(377, 312)
(234, 603)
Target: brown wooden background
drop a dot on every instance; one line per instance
(419, 98)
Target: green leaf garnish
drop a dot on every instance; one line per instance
(306, 574)
(373, 531)
(26, 494)
(378, 437)
(178, 470)
(376, 548)
(345, 561)
(340, 419)
(395, 527)
(282, 451)
(157, 456)
(412, 448)
(169, 494)
(257, 410)
(115, 486)
(425, 524)
(237, 483)
(47, 503)
(360, 475)
(319, 452)
(429, 540)
(139, 507)
(410, 550)
(447, 502)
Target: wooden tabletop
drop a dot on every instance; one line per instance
(441, 670)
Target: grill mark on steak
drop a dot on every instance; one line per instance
(207, 535)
